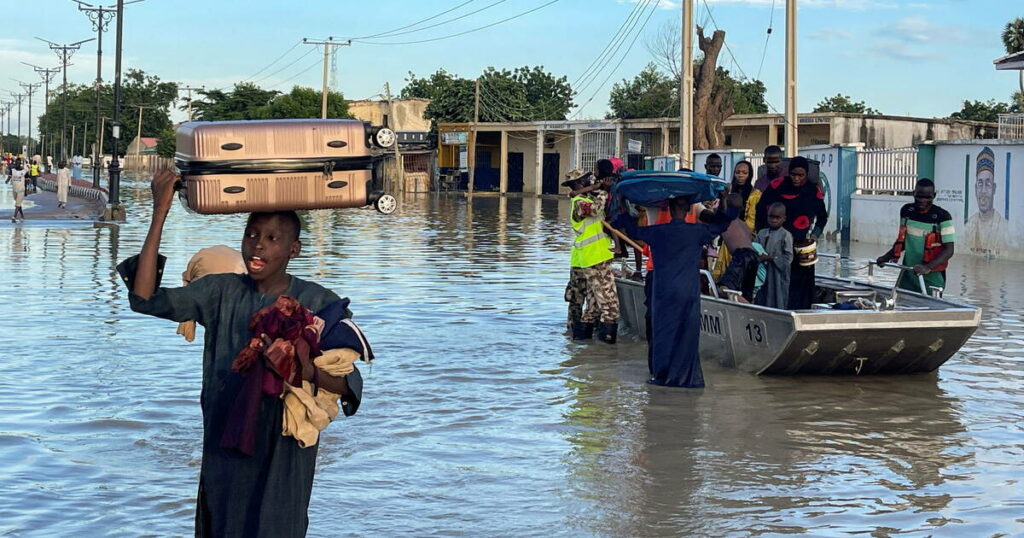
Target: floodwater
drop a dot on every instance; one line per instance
(479, 417)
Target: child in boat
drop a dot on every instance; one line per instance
(741, 272)
(778, 245)
(264, 492)
(675, 294)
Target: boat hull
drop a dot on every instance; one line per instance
(918, 337)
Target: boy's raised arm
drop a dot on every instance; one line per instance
(163, 197)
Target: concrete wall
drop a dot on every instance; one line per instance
(876, 218)
(883, 132)
(407, 116)
(980, 183)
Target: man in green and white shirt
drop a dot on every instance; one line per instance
(926, 231)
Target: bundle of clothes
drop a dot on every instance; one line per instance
(286, 340)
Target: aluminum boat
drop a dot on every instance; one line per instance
(894, 331)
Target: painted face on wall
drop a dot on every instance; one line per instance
(985, 190)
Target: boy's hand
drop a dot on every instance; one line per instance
(765, 257)
(163, 190)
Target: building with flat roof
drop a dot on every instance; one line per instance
(532, 157)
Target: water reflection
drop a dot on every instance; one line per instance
(479, 416)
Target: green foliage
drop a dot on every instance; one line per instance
(843, 103)
(525, 94)
(165, 147)
(653, 94)
(137, 88)
(304, 103)
(984, 110)
(1013, 36)
(244, 102)
(250, 102)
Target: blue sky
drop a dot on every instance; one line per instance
(902, 57)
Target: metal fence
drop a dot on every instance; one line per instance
(146, 163)
(886, 171)
(1011, 126)
(595, 145)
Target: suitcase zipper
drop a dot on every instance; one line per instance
(275, 166)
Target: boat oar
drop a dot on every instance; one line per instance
(621, 236)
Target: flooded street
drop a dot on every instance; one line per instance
(479, 415)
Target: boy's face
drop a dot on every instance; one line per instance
(267, 246)
(713, 166)
(775, 218)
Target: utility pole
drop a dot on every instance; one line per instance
(29, 89)
(64, 52)
(398, 152)
(189, 89)
(792, 142)
(19, 97)
(85, 136)
(72, 137)
(686, 90)
(8, 105)
(471, 157)
(47, 75)
(328, 43)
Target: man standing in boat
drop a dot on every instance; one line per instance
(925, 240)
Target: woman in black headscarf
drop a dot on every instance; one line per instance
(806, 216)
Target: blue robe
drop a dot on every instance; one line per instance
(675, 296)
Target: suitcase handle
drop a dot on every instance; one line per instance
(274, 166)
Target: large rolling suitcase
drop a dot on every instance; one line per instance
(272, 165)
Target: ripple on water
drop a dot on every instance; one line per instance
(479, 415)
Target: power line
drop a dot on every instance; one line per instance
(293, 62)
(618, 46)
(624, 55)
(296, 75)
(516, 16)
(636, 9)
(764, 51)
(391, 33)
(740, 68)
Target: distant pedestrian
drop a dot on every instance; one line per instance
(777, 259)
(76, 167)
(17, 181)
(33, 175)
(63, 184)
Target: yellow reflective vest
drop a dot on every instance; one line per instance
(591, 245)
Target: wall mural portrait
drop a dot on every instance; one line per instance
(987, 229)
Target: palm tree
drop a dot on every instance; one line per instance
(1013, 40)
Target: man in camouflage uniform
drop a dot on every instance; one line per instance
(576, 289)
(592, 253)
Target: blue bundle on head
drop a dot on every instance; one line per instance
(654, 189)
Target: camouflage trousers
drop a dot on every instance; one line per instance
(602, 297)
(576, 294)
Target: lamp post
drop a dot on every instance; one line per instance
(115, 211)
(100, 18)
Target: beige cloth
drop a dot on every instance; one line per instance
(305, 415)
(63, 184)
(209, 261)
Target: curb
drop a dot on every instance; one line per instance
(48, 182)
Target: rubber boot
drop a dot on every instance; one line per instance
(608, 332)
(582, 330)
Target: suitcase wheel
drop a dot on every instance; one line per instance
(386, 204)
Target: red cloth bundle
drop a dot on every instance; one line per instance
(285, 334)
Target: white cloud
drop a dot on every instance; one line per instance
(901, 51)
(917, 29)
(831, 34)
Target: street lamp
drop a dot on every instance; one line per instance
(115, 211)
(100, 18)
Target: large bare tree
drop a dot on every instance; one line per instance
(712, 100)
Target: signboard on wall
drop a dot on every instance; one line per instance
(453, 138)
(979, 185)
(463, 159)
(828, 177)
(634, 146)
